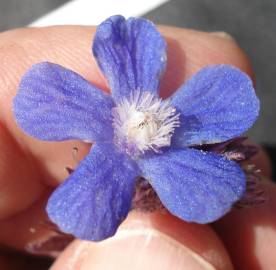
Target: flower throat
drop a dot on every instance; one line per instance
(144, 122)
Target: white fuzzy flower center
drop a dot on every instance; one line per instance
(144, 122)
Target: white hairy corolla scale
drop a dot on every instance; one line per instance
(144, 122)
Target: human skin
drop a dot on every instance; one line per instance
(30, 169)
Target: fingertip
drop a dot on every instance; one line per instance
(191, 50)
(17, 171)
(149, 241)
(188, 51)
(249, 234)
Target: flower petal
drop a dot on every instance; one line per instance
(96, 197)
(194, 185)
(217, 104)
(54, 103)
(131, 54)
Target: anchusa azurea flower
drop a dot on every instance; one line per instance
(135, 133)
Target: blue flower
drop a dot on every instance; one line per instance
(136, 133)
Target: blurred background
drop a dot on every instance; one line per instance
(251, 22)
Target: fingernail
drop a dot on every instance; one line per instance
(223, 35)
(135, 249)
(50, 245)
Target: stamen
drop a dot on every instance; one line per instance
(144, 122)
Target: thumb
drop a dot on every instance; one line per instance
(149, 241)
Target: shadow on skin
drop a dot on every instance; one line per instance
(175, 68)
(249, 233)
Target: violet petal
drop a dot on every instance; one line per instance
(54, 104)
(216, 104)
(194, 185)
(97, 196)
(131, 54)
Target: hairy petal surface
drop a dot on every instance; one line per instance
(194, 185)
(96, 197)
(216, 104)
(131, 54)
(54, 103)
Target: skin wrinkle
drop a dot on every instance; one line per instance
(144, 239)
(215, 55)
(150, 234)
(186, 233)
(74, 261)
(8, 76)
(9, 177)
